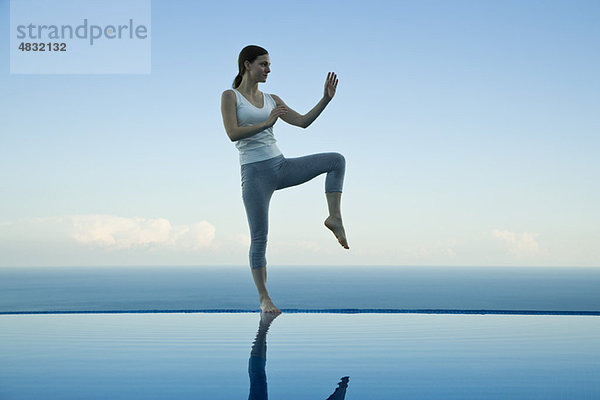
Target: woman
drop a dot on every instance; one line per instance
(249, 116)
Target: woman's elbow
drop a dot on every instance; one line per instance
(231, 135)
(303, 123)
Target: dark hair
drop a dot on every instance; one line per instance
(248, 53)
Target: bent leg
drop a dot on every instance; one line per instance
(298, 170)
(295, 171)
(334, 221)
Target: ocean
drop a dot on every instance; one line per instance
(547, 289)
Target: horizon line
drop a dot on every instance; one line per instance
(311, 311)
(300, 265)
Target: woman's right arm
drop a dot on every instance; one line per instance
(236, 132)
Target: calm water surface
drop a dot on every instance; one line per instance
(299, 356)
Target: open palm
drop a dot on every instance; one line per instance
(330, 85)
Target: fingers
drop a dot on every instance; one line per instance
(331, 79)
(278, 111)
(280, 108)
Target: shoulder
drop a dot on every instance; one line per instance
(229, 100)
(228, 93)
(276, 98)
(229, 96)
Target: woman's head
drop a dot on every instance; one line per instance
(247, 62)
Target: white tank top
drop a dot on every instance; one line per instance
(262, 145)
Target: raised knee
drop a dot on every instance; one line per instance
(340, 159)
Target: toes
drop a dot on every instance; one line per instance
(344, 243)
(339, 233)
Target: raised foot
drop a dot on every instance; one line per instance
(337, 227)
(266, 305)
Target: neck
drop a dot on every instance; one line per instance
(248, 86)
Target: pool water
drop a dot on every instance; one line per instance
(299, 356)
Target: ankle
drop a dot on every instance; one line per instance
(263, 297)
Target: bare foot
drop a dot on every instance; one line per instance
(336, 226)
(266, 318)
(266, 305)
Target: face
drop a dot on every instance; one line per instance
(260, 68)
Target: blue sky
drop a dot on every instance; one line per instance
(470, 131)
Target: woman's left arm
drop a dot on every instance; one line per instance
(303, 121)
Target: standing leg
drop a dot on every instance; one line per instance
(257, 210)
(258, 185)
(260, 280)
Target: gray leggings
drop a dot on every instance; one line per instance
(260, 179)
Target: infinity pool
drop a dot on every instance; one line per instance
(299, 356)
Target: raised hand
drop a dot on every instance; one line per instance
(330, 85)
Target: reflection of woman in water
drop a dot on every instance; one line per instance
(249, 116)
(258, 360)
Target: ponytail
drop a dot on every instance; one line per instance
(237, 81)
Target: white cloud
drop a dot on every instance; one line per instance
(243, 240)
(519, 244)
(114, 232)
